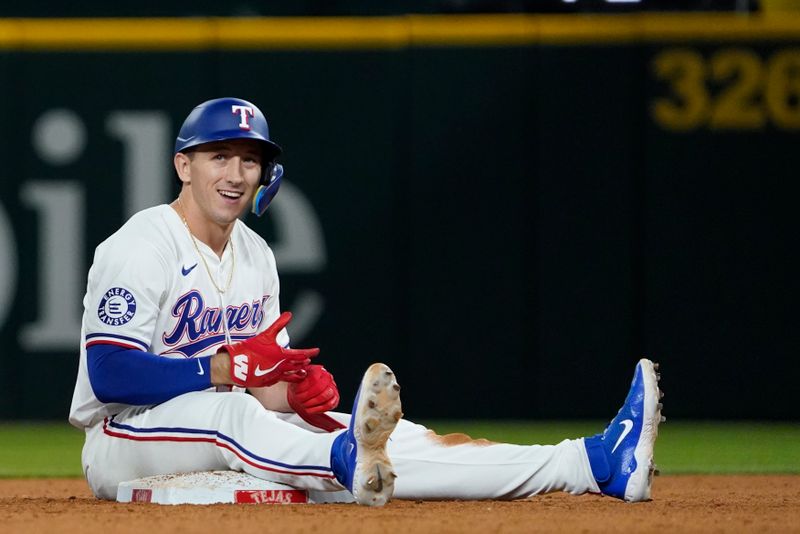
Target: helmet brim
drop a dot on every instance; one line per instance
(270, 149)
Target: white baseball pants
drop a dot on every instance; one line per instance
(207, 431)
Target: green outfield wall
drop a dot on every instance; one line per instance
(509, 210)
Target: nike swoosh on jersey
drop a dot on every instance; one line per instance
(261, 372)
(200, 366)
(185, 271)
(628, 424)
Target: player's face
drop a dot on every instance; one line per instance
(223, 177)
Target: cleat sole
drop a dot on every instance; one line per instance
(373, 481)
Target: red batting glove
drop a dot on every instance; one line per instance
(311, 397)
(317, 393)
(260, 361)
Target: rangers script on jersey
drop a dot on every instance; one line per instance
(147, 290)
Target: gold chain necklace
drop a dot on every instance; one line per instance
(202, 256)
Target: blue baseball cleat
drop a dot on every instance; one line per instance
(358, 455)
(621, 457)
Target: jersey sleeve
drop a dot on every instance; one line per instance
(127, 283)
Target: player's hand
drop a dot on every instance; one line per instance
(317, 393)
(260, 361)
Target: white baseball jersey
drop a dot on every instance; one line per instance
(149, 290)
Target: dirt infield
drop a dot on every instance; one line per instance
(681, 504)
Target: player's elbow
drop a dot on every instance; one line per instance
(100, 362)
(103, 393)
(101, 385)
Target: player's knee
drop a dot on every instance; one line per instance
(241, 404)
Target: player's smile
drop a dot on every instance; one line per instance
(231, 197)
(223, 177)
(230, 194)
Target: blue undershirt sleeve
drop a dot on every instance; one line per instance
(130, 376)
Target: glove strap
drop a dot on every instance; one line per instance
(242, 372)
(319, 420)
(598, 460)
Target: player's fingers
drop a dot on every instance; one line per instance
(291, 368)
(295, 365)
(322, 389)
(311, 379)
(310, 389)
(297, 354)
(318, 380)
(323, 400)
(293, 377)
(295, 370)
(301, 389)
(318, 377)
(278, 325)
(324, 406)
(301, 374)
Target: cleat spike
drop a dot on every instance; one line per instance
(660, 394)
(663, 418)
(660, 406)
(371, 403)
(656, 365)
(375, 482)
(396, 387)
(657, 472)
(370, 424)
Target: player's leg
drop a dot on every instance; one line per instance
(429, 466)
(455, 467)
(205, 431)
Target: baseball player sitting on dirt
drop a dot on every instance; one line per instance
(181, 316)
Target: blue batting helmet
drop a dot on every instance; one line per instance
(233, 118)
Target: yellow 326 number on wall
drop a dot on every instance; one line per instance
(732, 89)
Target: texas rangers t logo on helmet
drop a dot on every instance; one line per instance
(243, 112)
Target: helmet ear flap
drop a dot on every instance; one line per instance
(271, 182)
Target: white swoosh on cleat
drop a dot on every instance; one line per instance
(628, 427)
